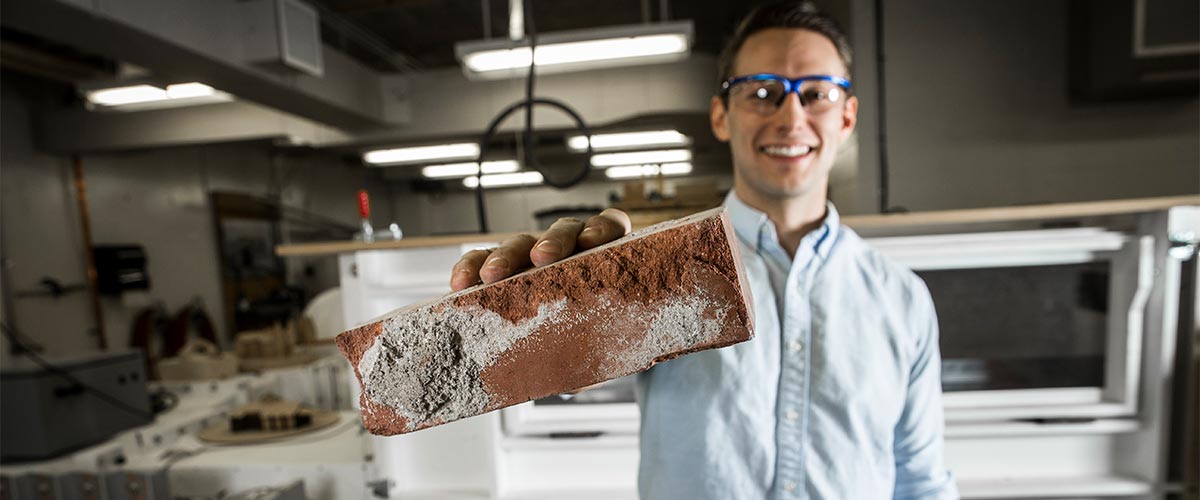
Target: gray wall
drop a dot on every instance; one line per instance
(978, 115)
(157, 198)
(39, 231)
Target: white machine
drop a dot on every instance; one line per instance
(164, 460)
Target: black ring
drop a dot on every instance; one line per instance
(530, 159)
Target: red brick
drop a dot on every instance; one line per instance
(662, 292)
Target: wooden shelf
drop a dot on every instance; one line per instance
(967, 216)
(334, 247)
(1030, 212)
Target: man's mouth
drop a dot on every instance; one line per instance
(786, 152)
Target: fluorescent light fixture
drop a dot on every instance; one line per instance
(676, 168)
(422, 154)
(145, 96)
(636, 171)
(501, 180)
(605, 142)
(188, 90)
(464, 169)
(127, 95)
(578, 50)
(641, 158)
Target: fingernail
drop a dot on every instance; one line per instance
(590, 232)
(496, 263)
(549, 246)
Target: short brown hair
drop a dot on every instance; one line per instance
(798, 15)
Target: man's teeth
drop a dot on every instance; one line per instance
(786, 150)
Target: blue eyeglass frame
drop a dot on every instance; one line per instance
(789, 85)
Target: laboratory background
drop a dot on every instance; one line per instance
(198, 197)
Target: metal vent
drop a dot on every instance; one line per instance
(283, 34)
(300, 36)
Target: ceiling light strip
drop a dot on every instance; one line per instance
(623, 140)
(453, 170)
(639, 171)
(577, 50)
(146, 96)
(503, 180)
(641, 158)
(422, 154)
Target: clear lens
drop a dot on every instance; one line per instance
(819, 96)
(762, 96)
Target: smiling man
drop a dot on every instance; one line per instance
(838, 396)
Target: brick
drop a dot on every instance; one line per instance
(665, 291)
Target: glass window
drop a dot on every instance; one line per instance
(1025, 327)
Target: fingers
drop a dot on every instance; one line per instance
(557, 242)
(608, 226)
(518, 252)
(510, 257)
(465, 273)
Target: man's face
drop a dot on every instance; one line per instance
(771, 154)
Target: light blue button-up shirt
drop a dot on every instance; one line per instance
(838, 395)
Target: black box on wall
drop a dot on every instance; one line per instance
(1134, 50)
(120, 268)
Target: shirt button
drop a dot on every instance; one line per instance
(796, 346)
(791, 415)
(789, 486)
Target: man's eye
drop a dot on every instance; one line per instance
(815, 96)
(768, 93)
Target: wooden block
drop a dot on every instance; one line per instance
(665, 291)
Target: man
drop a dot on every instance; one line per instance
(838, 396)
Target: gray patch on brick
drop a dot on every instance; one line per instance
(426, 364)
(676, 324)
(681, 323)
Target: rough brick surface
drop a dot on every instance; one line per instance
(667, 290)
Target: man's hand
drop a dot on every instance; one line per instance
(519, 252)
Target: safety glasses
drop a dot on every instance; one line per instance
(763, 93)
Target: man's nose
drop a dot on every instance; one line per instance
(791, 113)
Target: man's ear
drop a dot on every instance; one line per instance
(716, 117)
(849, 117)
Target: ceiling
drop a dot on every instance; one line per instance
(424, 31)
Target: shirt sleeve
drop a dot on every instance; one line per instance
(920, 469)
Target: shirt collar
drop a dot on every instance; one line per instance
(756, 230)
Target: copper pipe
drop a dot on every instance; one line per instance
(86, 226)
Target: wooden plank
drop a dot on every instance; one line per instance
(965, 216)
(334, 247)
(1030, 212)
